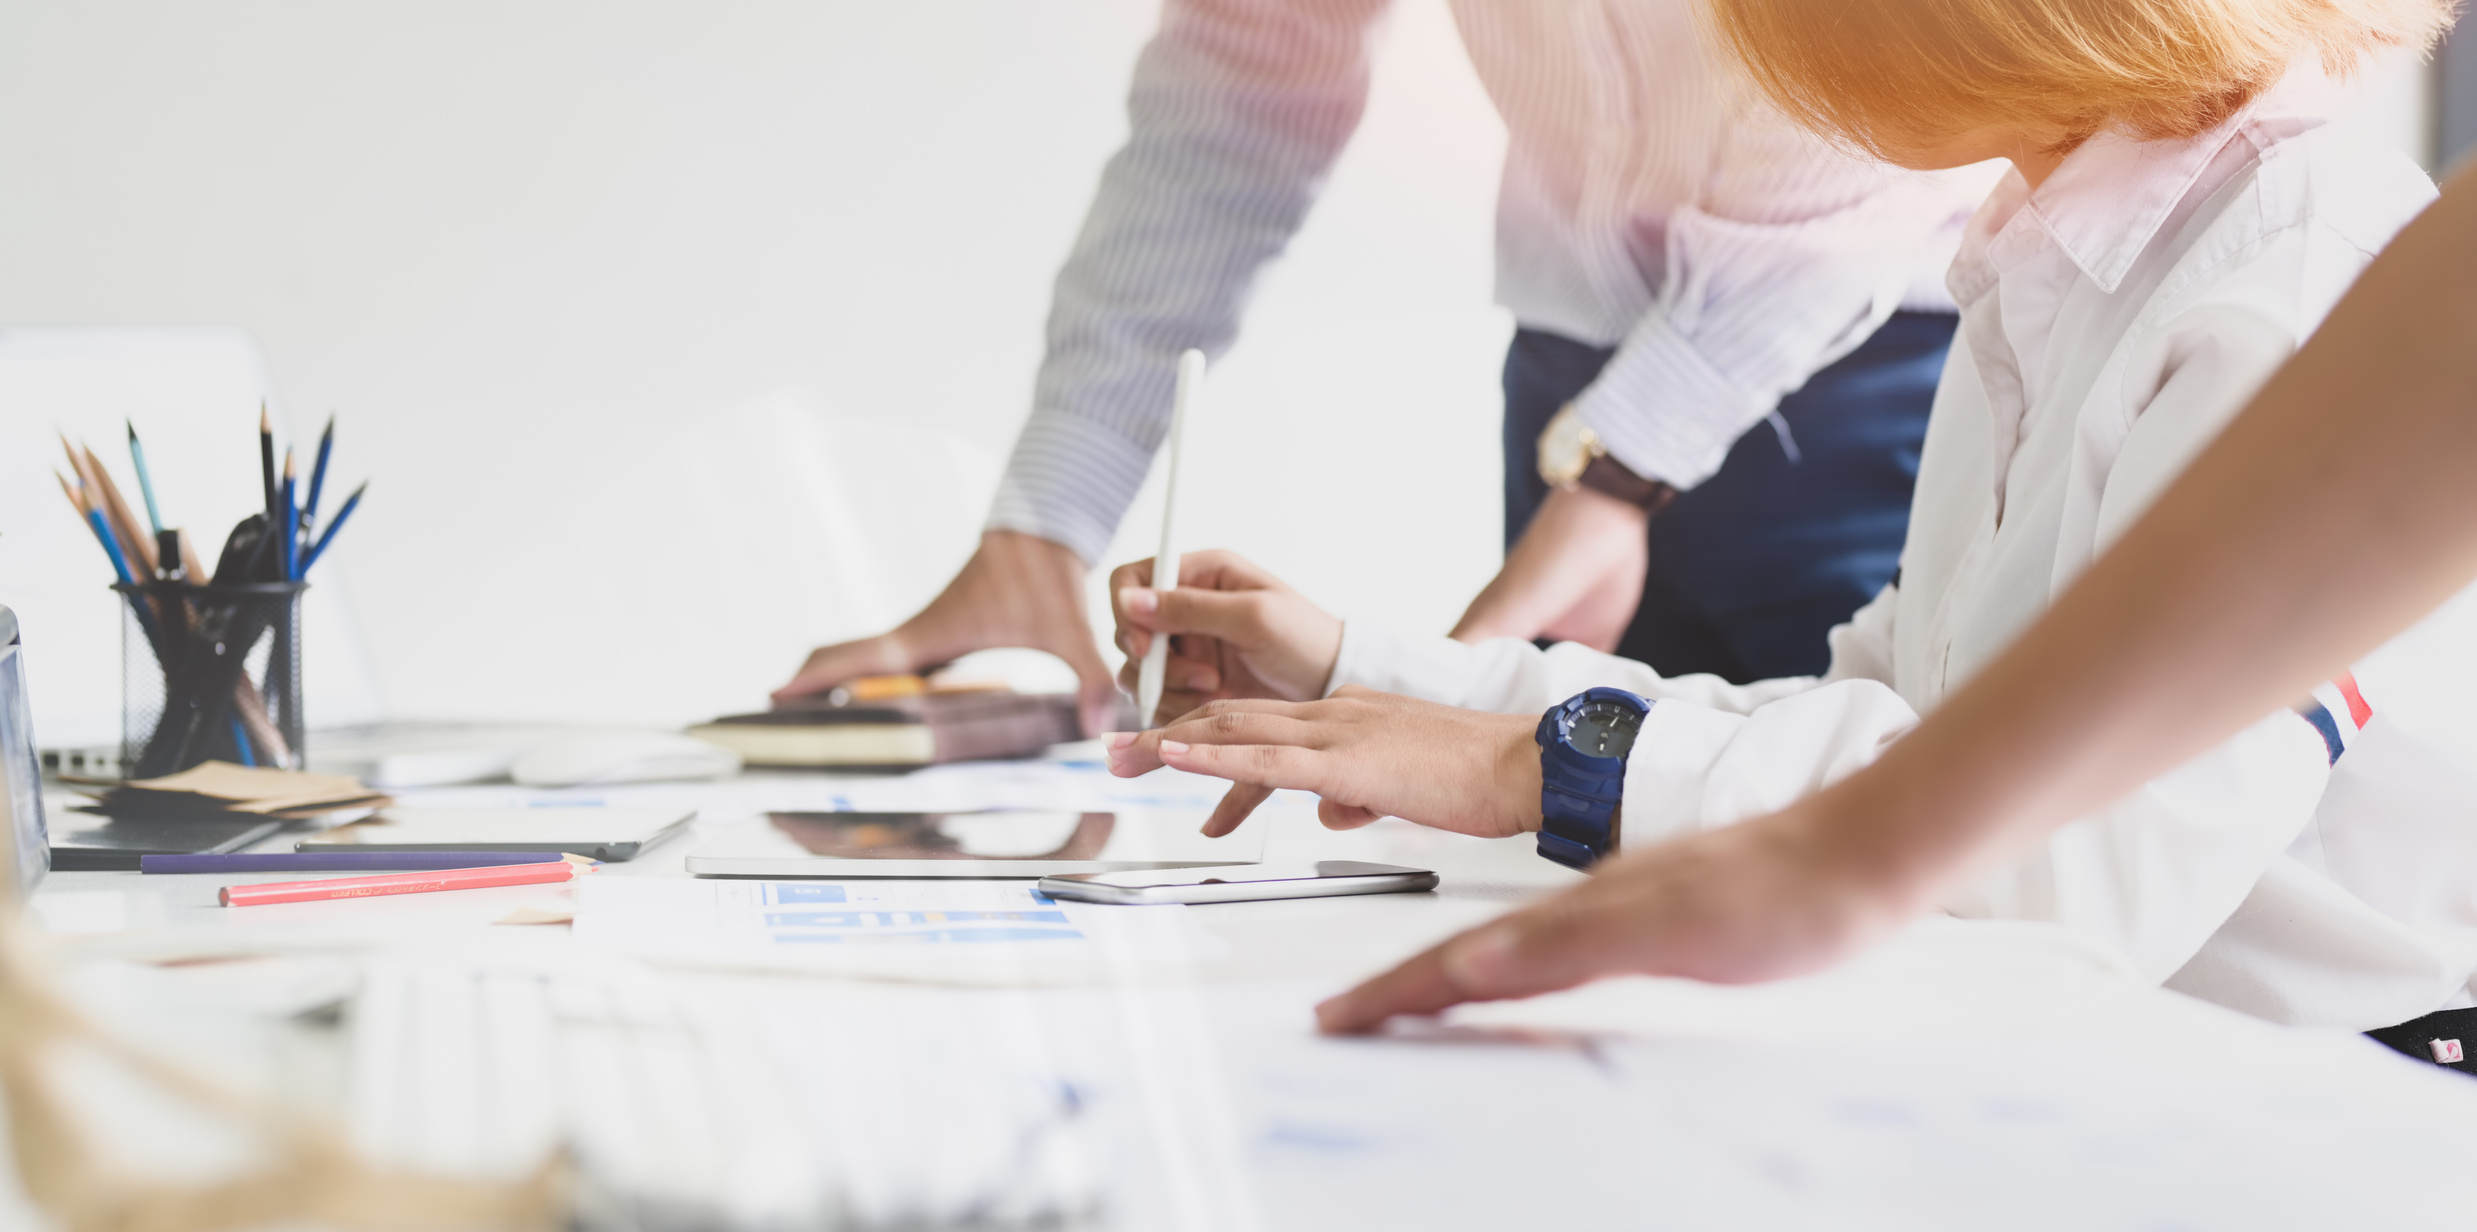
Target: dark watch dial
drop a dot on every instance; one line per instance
(1604, 729)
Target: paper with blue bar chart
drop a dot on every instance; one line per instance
(974, 931)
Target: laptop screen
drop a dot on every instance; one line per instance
(21, 776)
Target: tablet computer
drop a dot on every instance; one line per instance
(1009, 843)
(612, 834)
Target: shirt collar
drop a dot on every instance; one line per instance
(2109, 198)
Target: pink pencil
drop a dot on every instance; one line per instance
(567, 868)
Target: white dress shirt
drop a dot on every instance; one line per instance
(2112, 322)
(1649, 203)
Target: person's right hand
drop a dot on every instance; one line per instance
(1017, 590)
(1775, 896)
(1236, 632)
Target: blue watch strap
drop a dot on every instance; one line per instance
(1579, 792)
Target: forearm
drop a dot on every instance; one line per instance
(1238, 109)
(2336, 511)
(1752, 307)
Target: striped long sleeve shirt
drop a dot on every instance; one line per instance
(1649, 202)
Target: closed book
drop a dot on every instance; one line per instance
(899, 732)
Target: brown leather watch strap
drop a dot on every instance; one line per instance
(1609, 477)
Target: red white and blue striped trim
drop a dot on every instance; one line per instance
(2338, 710)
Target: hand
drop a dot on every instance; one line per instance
(1237, 632)
(1368, 754)
(1017, 590)
(1575, 575)
(1776, 896)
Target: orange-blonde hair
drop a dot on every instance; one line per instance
(1891, 74)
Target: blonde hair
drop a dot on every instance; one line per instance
(1885, 75)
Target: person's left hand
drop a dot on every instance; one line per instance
(1368, 754)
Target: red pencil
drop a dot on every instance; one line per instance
(403, 883)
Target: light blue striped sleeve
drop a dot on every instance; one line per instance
(1238, 110)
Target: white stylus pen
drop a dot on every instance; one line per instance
(1148, 682)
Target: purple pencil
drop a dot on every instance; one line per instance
(339, 861)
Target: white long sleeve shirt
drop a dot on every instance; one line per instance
(2112, 322)
(1649, 203)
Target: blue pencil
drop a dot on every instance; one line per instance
(318, 476)
(289, 518)
(146, 482)
(240, 742)
(120, 566)
(320, 549)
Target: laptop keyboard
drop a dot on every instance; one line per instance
(700, 1101)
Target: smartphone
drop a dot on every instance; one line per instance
(1238, 883)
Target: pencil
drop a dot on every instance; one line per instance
(1149, 677)
(105, 499)
(288, 547)
(320, 549)
(318, 477)
(566, 869)
(124, 522)
(146, 482)
(266, 459)
(339, 861)
(191, 567)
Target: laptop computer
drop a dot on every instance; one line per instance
(21, 777)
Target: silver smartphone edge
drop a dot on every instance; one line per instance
(1239, 891)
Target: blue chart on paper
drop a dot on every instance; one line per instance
(939, 936)
(781, 892)
(793, 913)
(905, 919)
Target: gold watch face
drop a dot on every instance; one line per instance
(1565, 448)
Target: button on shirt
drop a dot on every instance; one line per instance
(1648, 203)
(2112, 322)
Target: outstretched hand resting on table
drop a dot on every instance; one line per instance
(1017, 590)
(1763, 899)
(1367, 754)
(1236, 631)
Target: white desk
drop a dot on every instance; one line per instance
(1968, 1076)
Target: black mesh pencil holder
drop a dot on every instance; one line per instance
(210, 673)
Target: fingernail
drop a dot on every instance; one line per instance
(1172, 748)
(1478, 962)
(1139, 602)
(1117, 740)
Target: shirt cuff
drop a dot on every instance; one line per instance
(1664, 411)
(1668, 768)
(1374, 657)
(1069, 481)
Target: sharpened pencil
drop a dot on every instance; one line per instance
(133, 537)
(146, 482)
(288, 525)
(320, 549)
(402, 883)
(266, 460)
(318, 478)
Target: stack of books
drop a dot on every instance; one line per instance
(898, 723)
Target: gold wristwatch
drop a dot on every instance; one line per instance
(1571, 456)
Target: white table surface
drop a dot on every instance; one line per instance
(1967, 1075)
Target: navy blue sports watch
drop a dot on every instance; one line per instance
(1583, 745)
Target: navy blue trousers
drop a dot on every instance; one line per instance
(1752, 568)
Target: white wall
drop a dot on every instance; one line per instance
(606, 293)
(556, 263)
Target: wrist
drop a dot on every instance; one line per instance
(1518, 777)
